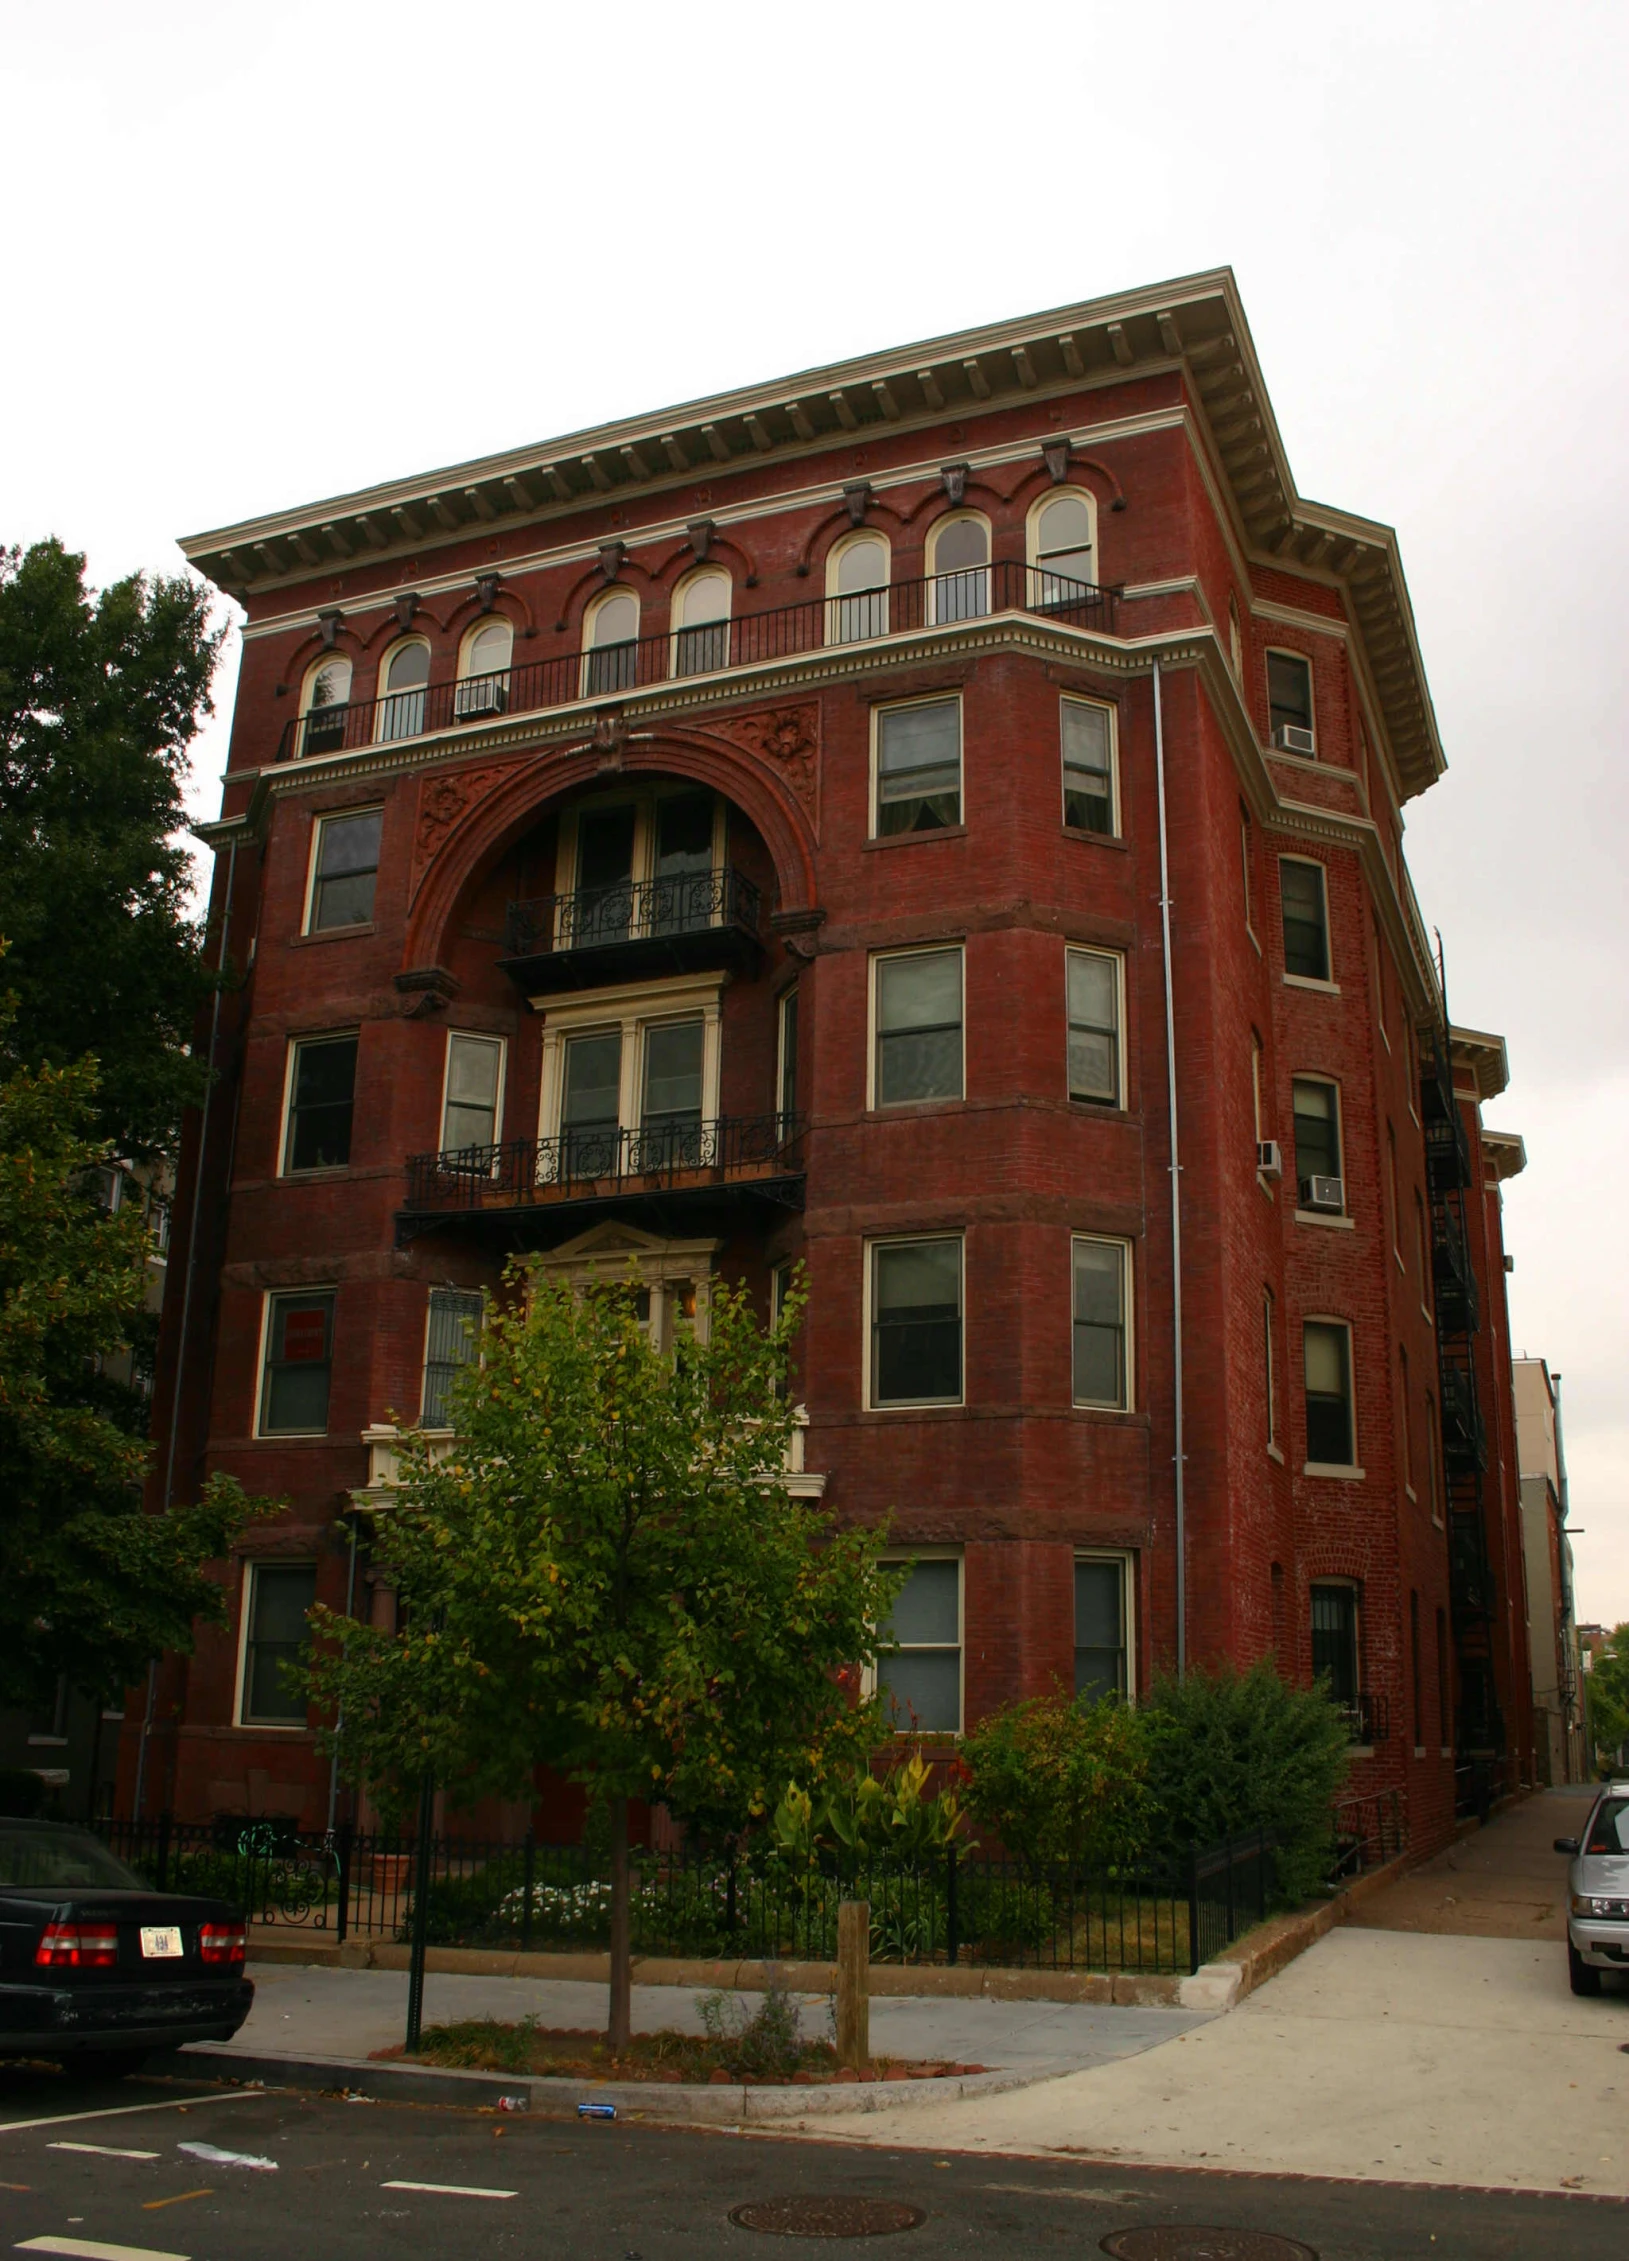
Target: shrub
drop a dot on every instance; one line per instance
(766, 2046)
(1060, 1782)
(1230, 1752)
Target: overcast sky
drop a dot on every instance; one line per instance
(255, 256)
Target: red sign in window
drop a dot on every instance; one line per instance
(305, 1336)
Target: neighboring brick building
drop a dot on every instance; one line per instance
(1552, 1633)
(737, 836)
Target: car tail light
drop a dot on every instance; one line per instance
(223, 1942)
(78, 1946)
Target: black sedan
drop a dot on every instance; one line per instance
(96, 1968)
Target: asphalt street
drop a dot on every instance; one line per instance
(107, 2174)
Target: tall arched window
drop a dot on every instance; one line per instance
(701, 639)
(483, 670)
(403, 682)
(1062, 550)
(612, 656)
(959, 562)
(857, 590)
(325, 704)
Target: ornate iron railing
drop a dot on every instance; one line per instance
(590, 1161)
(595, 918)
(614, 670)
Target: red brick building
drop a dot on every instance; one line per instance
(862, 820)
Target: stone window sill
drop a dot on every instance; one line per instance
(1305, 981)
(918, 839)
(1326, 1217)
(1335, 1469)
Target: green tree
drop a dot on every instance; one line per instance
(608, 1575)
(1231, 1751)
(100, 697)
(1606, 1688)
(90, 1586)
(1059, 1782)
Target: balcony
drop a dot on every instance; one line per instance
(659, 1175)
(1452, 1277)
(634, 931)
(1368, 1718)
(619, 670)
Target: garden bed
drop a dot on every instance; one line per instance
(675, 2059)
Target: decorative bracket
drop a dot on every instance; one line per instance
(611, 557)
(701, 532)
(856, 497)
(486, 590)
(797, 930)
(610, 743)
(432, 989)
(404, 607)
(1056, 453)
(328, 622)
(953, 478)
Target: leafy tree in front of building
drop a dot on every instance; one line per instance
(1607, 1691)
(608, 1575)
(91, 1587)
(101, 695)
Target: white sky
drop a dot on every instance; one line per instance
(258, 255)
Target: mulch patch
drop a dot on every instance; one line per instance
(482, 2045)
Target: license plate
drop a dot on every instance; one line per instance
(161, 1939)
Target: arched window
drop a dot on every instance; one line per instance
(612, 638)
(402, 684)
(483, 670)
(959, 562)
(1061, 551)
(324, 705)
(701, 624)
(857, 590)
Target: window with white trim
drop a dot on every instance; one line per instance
(1304, 900)
(403, 689)
(917, 1026)
(344, 870)
(857, 590)
(321, 1103)
(298, 1362)
(277, 1599)
(917, 766)
(786, 1075)
(632, 866)
(1327, 1358)
(472, 1105)
(1101, 1359)
(1317, 1121)
(611, 644)
(1289, 702)
(1268, 1365)
(1089, 795)
(701, 623)
(1062, 550)
(959, 568)
(451, 1342)
(1096, 1072)
(916, 1321)
(919, 1652)
(630, 1078)
(1335, 1652)
(1103, 1651)
(483, 670)
(325, 699)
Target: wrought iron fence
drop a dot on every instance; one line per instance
(652, 1156)
(956, 1907)
(612, 670)
(1370, 1830)
(633, 911)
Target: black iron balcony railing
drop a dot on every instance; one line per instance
(1368, 1717)
(1458, 1300)
(592, 1163)
(1464, 1433)
(650, 910)
(613, 670)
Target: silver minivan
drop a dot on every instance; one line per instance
(1598, 1892)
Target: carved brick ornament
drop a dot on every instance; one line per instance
(788, 738)
(443, 801)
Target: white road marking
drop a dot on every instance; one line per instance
(102, 2150)
(118, 2111)
(450, 2189)
(83, 2250)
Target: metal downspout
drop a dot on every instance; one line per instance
(1176, 1195)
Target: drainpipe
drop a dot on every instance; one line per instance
(186, 1295)
(1176, 1194)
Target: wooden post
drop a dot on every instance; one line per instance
(854, 1984)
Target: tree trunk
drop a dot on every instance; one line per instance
(621, 2018)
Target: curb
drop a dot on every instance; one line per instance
(551, 2096)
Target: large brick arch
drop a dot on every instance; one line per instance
(499, 817)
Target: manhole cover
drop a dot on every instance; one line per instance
(826, 2217)
(1184, 2241)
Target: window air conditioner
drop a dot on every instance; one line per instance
(483, 694)
(1269, 1161)
(1323, 1193)
(1290, 738)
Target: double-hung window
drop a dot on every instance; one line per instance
(326, 708)
(786, 1079)
(321, 1101)
(1327, 1350)
(919, 1654)
(916, 1322)
(344, 870)
(670, 1098)
(1088, 765)
(277, 1599)
(1335, 1641)
(1102, 1648)
(1317, 1142)
(1094, 980)
(298, 1362)
(469, 1116)
(450, 1344)
(1289, 702)
(701, 640)
(404, 692)
(1102, 1301)
(1306, 919)
(590, 1102)
(918, 1023)
(918, 766)
(611, 662)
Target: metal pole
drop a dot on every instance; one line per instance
(187, 1278)
(1176, 1193)
(421, 1911)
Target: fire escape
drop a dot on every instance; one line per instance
(1480, 1724)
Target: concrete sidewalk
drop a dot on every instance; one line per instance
(347, 2014)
